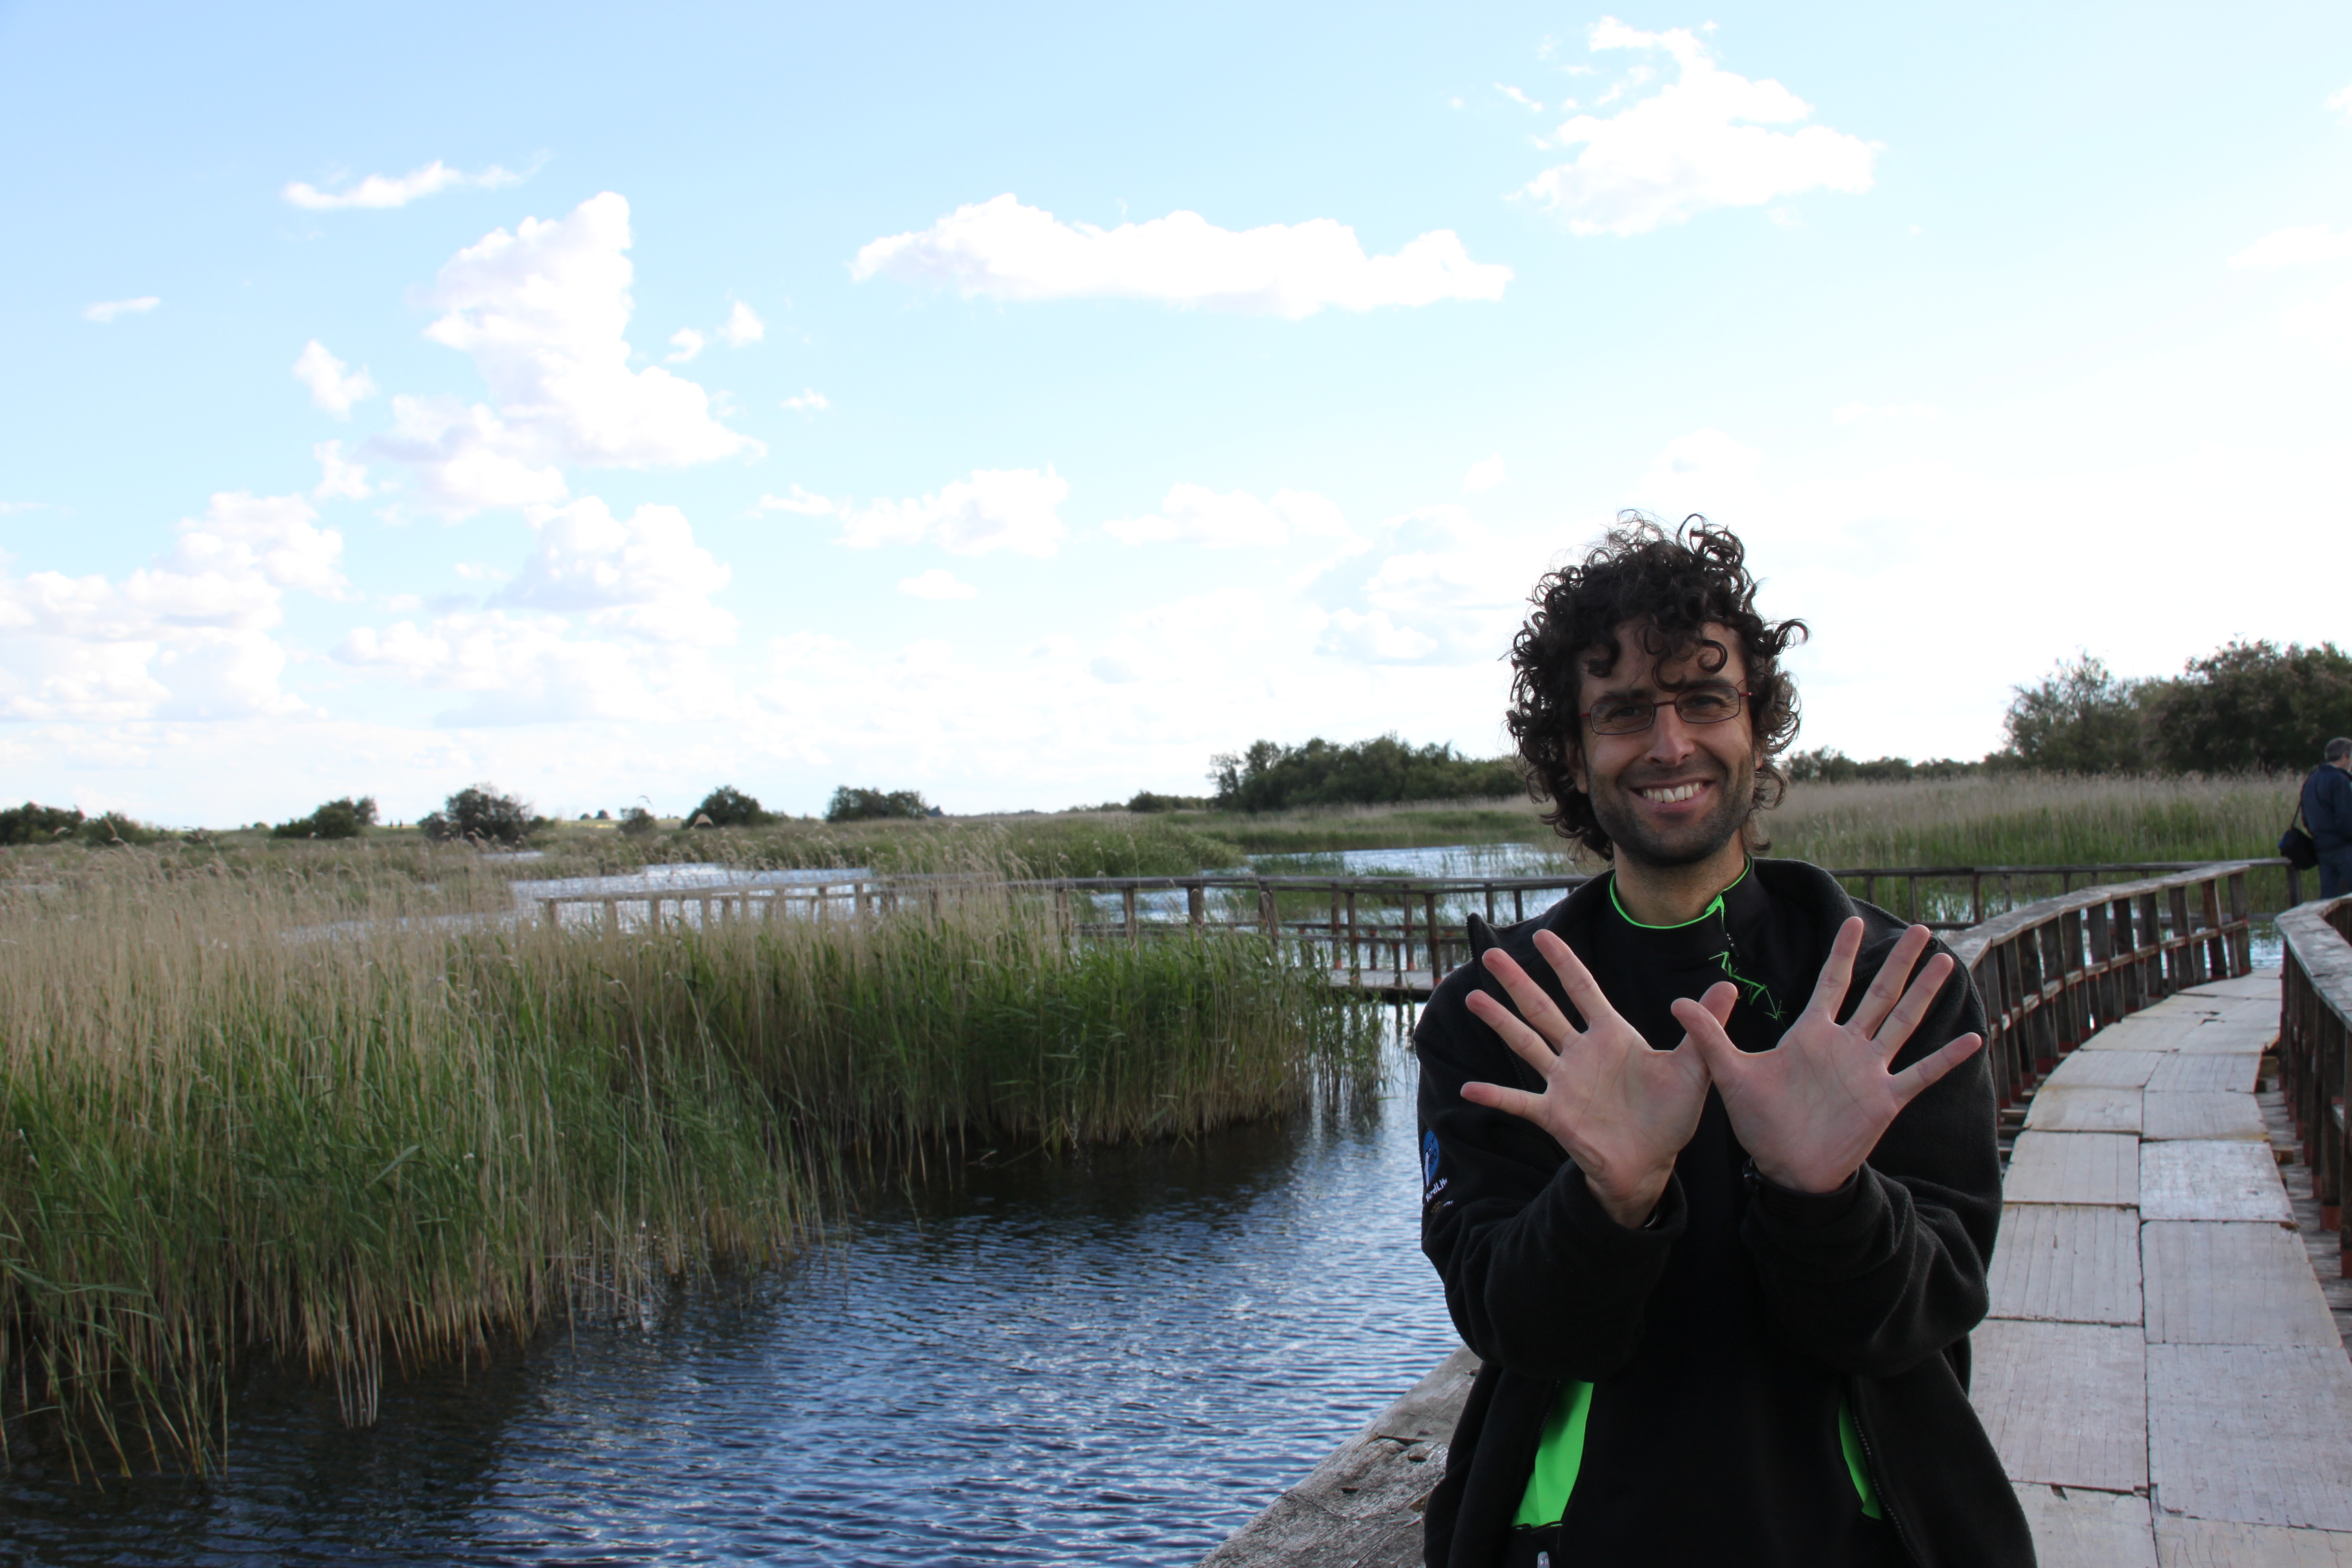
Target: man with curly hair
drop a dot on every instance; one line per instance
(1709, 1147)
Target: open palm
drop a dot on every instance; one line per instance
(1810, 1110)
(1622, 1109)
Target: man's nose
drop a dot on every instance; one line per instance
(1670, 735)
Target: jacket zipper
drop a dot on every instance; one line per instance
(1893, 1515)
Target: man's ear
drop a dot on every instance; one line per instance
(1573, 755)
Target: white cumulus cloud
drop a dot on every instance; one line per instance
(685, 344)
(644, 575)
(333, 386)
(1005, 250)
(995, 509)
(1196, 514)
(939, 583)
(190, 637)
(104, 312)
(810, 401)
(1700, 141)
(339, 479)
(1483, 475)
(2307, 247)
(397, 191)
(543, 311)
(742, 327)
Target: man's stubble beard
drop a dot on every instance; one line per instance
(1631, 841)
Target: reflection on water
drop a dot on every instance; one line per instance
(1435, 860)
(1113, 1359)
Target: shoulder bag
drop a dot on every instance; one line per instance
(2296, 844)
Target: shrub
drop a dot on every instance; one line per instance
(2080, 719)
(30, 823)
(1380, 772)
(1827, 764)
(482, 815)
(1145, 800)
(114, 828)
(2252, 706)
(636, 822)
(344, 818)
(727, 807)
(869, 804)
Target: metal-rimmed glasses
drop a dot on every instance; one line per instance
(1632, 715)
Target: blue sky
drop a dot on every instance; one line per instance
(1023, 404)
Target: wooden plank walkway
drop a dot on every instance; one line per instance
(2206, 1413)
(2160, 1373)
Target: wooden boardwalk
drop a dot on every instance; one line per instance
(2160, 1373)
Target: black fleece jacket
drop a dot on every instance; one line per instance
(1878, 1285)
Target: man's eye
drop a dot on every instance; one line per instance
(1617, 712)
(1706, 705)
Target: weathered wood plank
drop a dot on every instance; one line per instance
(2065, 1107)
(2208, 1180)
(2201, 1115)
(2064, 1404)
(2067, 1263)
(2218, 1036)
(1361, 1507)
(2073, 1168)
(2261, 983)
(2150, 1031)
(2257, 1434)
(2223, 1072)
(2106, 1069)
(2232, 1284)
(2214, 1544)
(2079, 1527)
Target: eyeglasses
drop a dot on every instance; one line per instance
(1632, 715)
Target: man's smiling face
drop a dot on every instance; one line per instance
(1676, 792)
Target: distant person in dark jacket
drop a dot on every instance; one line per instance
(2327, 816)
(1708, 1159)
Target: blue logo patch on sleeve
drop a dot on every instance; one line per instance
(1428, 1159)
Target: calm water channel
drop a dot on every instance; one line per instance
(1113, 1359)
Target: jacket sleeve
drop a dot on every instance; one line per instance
(2328, 804)
(1538, 1277)
(1890, 1270)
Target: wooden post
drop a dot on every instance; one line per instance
(613, 916)
(2242, 939)
(1355, 962)
(1196, 905)
(1912, 883)
(1519, 905)
(1405, 942)
(1436, 940)
(1976, 898)
(1268, 915)
(1870, 890)
(2294, 885)
(1134, 932)
(1334, 925)
(1490, 903)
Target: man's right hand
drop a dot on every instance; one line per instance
(1622, 1109)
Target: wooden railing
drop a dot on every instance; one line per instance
(2314, 1020)
(2055, 972)
(2106, 950)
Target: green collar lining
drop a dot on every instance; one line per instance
(1714, 905)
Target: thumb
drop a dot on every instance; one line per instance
(1704, 1019)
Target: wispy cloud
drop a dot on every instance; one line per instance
(1483, 475)
(1700, 141)
(1005, 250)
(105, 310)
(995, 509)
(810, 401)
(398, 191)
(684, 345)
(2342, 103)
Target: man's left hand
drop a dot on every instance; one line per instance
(1810, 1110)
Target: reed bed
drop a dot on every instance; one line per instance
(360, 1119)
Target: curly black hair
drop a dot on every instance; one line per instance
(1675, 586)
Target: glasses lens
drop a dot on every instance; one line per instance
(1627, 717)
(1707, 707)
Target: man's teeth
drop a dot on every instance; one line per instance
(1671, 793)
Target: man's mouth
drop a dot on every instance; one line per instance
(1673, 794)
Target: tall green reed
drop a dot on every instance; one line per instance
(308, 1117)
